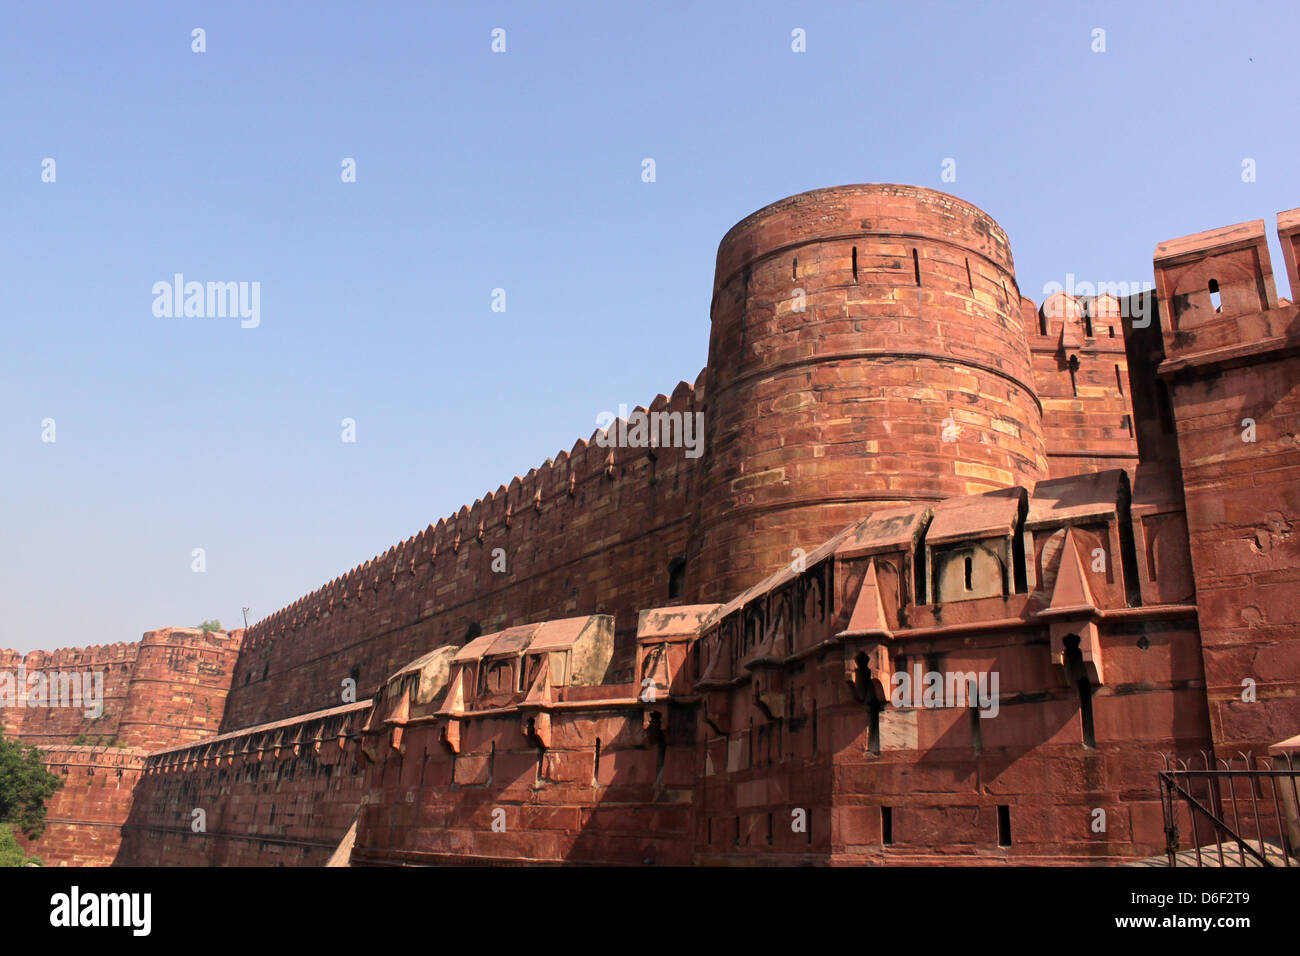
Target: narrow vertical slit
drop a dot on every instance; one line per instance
(969, 561)
(794, 269)
(916, 265)
(1215, 299)
(855, 263)
(887, 825)
(1019, 563)
(1119, 380)
(595, 769)
(1085, 713)
(1004, 825)
(970, 280)
(661, 757)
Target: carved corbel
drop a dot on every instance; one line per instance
(537, 728)
(449, 734)
(868, 669)
(1089, 650)
(717, 710)
(768, 685)
(654, 715)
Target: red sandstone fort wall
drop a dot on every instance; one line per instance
(604, 792)
(178, 686)
(168, 687)
(281, 794)
(59, 725)
(592, 532)
(1081, 375)
(1231, 370)
(84, 817)
(1080, 592)
(867, 349)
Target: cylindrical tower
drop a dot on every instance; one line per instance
(867, 351)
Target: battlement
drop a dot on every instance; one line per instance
(953, 566)
(169, 685)
(1231, 363)
(528, 551)
(555, 481)
(1217, 291)
(1288, 233)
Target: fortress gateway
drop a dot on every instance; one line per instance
(915, 482)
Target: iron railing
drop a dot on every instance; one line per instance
(1240, 812)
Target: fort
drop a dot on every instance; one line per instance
(908, 467)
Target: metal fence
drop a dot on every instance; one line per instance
(1240, 811)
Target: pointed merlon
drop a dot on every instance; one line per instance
(1071, 590)
(869, 618)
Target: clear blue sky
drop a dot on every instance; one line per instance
(521, 171)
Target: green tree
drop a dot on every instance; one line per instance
(11, 854)
(25, 785)
(207, 627)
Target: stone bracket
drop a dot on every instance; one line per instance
(868, 668)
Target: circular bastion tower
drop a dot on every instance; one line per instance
(867, 352)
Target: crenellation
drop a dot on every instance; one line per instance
(951, 562)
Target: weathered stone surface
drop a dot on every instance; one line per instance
(951, 574)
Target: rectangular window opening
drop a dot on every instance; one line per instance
(1004, 825)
